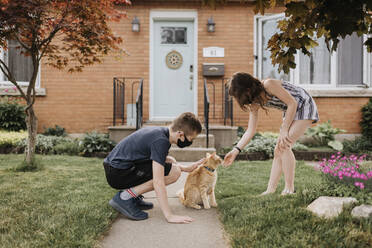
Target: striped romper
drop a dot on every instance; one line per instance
(306, 107)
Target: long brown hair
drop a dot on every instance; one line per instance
(246, 90)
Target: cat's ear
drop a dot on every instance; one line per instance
(208, 155)
(214, 154)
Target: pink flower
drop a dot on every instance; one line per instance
(6, 90)
(361, 185)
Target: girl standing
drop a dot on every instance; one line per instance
(299, 112)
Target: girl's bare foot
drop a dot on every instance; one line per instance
(267, 192)
(287, 192)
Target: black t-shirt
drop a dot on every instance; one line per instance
(148, 143)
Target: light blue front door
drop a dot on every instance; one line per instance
(173, 59)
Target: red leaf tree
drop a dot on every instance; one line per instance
(66, 34)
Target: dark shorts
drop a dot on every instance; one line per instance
(139, 173)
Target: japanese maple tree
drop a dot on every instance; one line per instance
(65, 34)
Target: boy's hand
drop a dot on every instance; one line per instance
(193, 166)
(179, 219)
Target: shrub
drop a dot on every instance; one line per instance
(262, 144)
(240, 131)
(44, 144)
(57, 131)
(366, 122)
(324, 134)
(10, 139)
(358, 145)
(12, 115)
(95, 142)
(68, 147)
(265, 142)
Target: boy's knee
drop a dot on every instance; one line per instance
(174, 174)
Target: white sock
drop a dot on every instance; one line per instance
(128, 193)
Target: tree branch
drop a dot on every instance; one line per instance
(57, 28)
(9, 75)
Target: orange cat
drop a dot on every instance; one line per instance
(200, 184)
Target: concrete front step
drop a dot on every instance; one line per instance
(189, 154)
(224, 136)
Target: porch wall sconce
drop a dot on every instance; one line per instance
(211, 25)
(135, 24)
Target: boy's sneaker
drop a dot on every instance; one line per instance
(143, 205)
(128, 207)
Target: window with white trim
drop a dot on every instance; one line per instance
(19, 64)
(348, 67)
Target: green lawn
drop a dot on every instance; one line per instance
(63, 205)
(276, 221)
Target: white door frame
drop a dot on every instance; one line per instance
(173, 15)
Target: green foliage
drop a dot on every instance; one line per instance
(366, 122)
(309, 19)
(12, 115)
(262, 144)
(68, 147)
(10, 139)
(358, 145)
(324, 134)
(240, 131)
(329, 187)
(57, 131)
(45, 144)
(96, 142)
(91, 143)
(265, 142)
(336, 145)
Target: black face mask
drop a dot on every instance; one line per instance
(182, 144)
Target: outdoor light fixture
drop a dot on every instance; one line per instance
(211, 24)
(135, 24)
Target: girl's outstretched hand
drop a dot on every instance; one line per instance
(230, 157)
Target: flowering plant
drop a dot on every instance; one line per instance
(347, 170)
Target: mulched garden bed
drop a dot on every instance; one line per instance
(300, 155)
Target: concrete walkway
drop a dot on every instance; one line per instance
(206, 230)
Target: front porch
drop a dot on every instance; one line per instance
(131, 114)
(219, 137)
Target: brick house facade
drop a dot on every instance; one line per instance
(83, 102)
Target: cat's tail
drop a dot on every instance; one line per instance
(181, 196)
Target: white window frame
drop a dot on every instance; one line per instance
(258, 19)
(8, 84)
(334, 72)
(331, 89)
